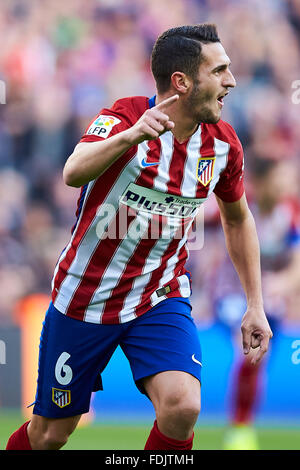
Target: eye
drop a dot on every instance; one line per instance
(217, 71)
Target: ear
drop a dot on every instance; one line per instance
(181, 82)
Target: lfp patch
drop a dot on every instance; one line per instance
(102, 126)
(60, 397)
(205, 170)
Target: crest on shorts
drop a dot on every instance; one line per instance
(205, 170)
(60, 397)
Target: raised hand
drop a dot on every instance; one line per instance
(153, 123)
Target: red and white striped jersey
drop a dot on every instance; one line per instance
(128, 248)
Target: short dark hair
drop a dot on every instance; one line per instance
(179, 49)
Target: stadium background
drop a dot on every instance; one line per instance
(60, 63)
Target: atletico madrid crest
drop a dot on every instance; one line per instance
(60, 397)
(205, 170)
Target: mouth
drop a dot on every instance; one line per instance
(220, 99)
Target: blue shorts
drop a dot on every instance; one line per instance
(74, 353)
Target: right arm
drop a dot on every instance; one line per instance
(90, 160)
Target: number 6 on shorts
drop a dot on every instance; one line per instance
(63, 372)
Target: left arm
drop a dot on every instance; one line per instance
(243, 248)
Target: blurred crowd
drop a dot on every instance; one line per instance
(61, 62)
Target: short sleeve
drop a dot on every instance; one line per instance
(230, 186)
(109, 122)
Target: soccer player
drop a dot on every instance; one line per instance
(144, 167)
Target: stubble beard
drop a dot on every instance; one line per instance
(198, 106)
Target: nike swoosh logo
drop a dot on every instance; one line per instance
(145, 164)
(196, 360)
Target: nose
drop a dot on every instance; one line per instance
(229, 80)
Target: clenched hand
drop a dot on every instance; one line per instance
(153, 122)
(256, 333)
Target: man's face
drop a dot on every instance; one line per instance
(205, 100)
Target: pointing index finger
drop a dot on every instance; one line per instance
(167, 102)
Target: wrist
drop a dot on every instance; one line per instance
(129, 137)
(255, 301)
(256, 309)
(256, 305)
